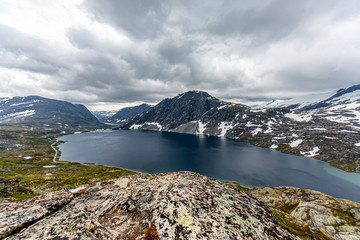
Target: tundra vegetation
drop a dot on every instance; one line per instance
(26, 154)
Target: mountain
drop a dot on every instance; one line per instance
(345, 98)
(103, 116)
(308, 127)
(39, 110)
(182, 113)
(121, 116)
(180, 205)
(125, 114)
(341, 106)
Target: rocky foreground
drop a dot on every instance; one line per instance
(182, 205)
(312, 214)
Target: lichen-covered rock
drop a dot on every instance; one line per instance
(182, 205)
(335, 218)
(9, 185)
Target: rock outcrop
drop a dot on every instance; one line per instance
(312, 212)
(181, 205)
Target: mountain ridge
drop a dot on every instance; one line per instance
(40, 110)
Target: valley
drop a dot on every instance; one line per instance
(326, 128)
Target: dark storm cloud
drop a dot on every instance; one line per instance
(264, 24)
(143, 19)
(175, 52)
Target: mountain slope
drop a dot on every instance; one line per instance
(339, 98)
(127, 113)
(316, 132)
(39, 110)
(103, 116)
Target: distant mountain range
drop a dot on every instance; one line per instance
(39, 110)
(121, 116)
(324, 126)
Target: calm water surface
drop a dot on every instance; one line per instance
(219, 158)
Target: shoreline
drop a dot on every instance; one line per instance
(88, 164)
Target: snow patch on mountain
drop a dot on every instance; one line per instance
(136, 126)
(299, 117)
(224, 127)
(342, 119)
(250, 124)
(256, 131)
(201, 127)
(17, 115)
(24, 103)
(311, 153)
(157, 126)
(301, 101)
(296, 143)
(221, 107)
(318, 129)
(327, 137)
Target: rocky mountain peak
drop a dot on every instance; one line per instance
(343, 91)
(172, 112)
(196, 94)
(181, 205)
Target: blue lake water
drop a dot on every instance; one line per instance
(216, 157)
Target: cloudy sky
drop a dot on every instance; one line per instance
(112, 53)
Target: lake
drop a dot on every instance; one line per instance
(220, 158)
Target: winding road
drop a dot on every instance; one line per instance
(56, 151)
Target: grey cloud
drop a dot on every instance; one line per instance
(218, 46)
(176, 52)
(82, 38)
(141, 19)
(327, 75)
(24, 52)
(270, 22)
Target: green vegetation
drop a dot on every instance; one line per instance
(346, 166)
(237, 186)
(301, 229)
(310, 214)
(32, 162)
